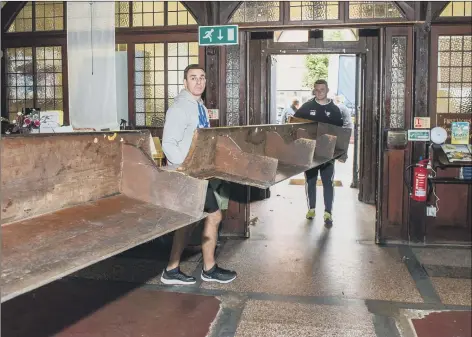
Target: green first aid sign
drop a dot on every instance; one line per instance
(218, 35)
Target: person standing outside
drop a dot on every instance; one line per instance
(186, 114)
(323, 110)
(290, 111)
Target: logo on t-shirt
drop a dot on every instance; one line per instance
(313, 112)
(328, 113)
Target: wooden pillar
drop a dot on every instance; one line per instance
(417, 213)
(234, 222)
(212, 64)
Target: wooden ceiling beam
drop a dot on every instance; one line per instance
(9, 13)
(406, 9)
(227, 9)
(437, 7)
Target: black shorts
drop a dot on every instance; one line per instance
(211, 205)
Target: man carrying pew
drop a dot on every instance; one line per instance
(183, 117)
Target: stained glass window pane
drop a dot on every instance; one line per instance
(454, 87)
(22, 77)
(373, 10)
(178, 15)
(19, 75)
(159, 79)
(398, 82)
(457, 8)
(146, 13)
(122, 14)
(314, 10)
(257, 11)
(49, 15)
(232, 85)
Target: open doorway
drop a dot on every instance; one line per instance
(291, 80)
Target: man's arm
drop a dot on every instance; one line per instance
(347, 121)
(173, 134)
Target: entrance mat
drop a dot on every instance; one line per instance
(91, 308)
(336, 183)
(444, 324)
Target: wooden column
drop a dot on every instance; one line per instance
(234, 223)
(212, 64)
(417, 213)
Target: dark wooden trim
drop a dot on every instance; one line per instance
(196, 9)
(416, 219)
(436, 9)
(65, 85)
(148, 37)
(452, 20)
(227, 9)
(404, 8)
(242, 79)
(4, 86)
(15, 40)
(35, 80)
(344, 11)
(369, 136)
(131, 90)
(9, 13)
(223, 106)
(156, 30)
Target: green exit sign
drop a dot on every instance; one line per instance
(218, 35)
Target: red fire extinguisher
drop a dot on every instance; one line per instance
(418, 190)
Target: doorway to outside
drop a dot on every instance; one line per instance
(291, 80)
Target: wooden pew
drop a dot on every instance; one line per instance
(263, 155)
(71, 200)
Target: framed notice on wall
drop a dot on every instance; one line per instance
(446, 120)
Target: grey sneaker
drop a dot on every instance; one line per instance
(217, 274)
(176, 277)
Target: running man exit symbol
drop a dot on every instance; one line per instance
(208, 34)
(218, 35)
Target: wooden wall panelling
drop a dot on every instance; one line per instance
(369, 135)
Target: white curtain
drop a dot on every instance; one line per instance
(91, 64)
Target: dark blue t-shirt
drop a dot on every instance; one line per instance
(323, 113)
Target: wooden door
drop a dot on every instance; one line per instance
(392, 218)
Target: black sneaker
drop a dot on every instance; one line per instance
(176, 277)
(217, 274)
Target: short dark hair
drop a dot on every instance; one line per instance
(321, 82)
(192, 66)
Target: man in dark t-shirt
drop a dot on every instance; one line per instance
(323, 110)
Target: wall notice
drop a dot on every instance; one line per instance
(419, 135)
(422, 123)
(213, 113)
(445, 121)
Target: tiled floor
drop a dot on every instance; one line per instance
(297, 278)
(271, 318)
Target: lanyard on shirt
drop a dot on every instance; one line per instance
(202, 117)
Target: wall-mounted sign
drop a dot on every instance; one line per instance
(218, 35)
(396, 139)
(418, 135)
(460, 132)
(213, 113)
(445, 120)
(422, 123)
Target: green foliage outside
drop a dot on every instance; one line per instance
(317, 68)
